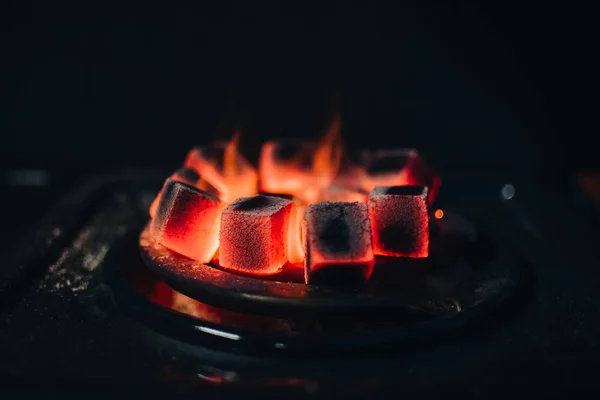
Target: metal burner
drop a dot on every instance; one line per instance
(405, 299)
(88, 284)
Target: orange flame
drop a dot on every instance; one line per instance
(230, 157)
(285, 176)
(307, 171)
(204, 185)
(326, 161)
(240, 177)
(328, 155)
(233, 177)
(294, 240)
(205, 165)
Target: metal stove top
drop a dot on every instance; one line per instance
(64, 325)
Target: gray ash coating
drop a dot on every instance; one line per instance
(173, 186)
(400, 217)
(169, 193)
(400, 237)
(337, 226)
(335, 234)
(176, 194)
(175, 203)
(411, 190)
(258, 204)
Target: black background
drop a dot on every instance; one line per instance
(495, 88)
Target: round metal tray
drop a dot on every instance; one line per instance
(460, 274)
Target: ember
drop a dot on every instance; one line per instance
(187, 221)
(400, 221)
(284, 167)
(337, 237)
(306, 205)
(301, 168)
(254, 234)
(185, 175)
(223, 167)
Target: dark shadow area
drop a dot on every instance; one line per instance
(482, 89)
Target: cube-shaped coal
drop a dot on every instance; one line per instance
(254, 234)
(185, 175)
(294, 249)
(187, 221)
(337, 241)
(400, 221)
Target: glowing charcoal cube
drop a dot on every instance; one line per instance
(185, 175)
(254, 234)
(294, 249)
(286, 166)
(187, 221)
(337, 241)
(400, 167)
(225, 168)
(400, 221)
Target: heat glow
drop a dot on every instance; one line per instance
(298, 172)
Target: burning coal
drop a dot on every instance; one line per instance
(306, 206)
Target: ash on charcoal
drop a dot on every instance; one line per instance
(185, 175)
(187, 221)
(337, 237)
(400, 221)
(400, 190)
(263, 205)
(254, 234)
(334, 238)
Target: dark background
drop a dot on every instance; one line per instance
(487, 89)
